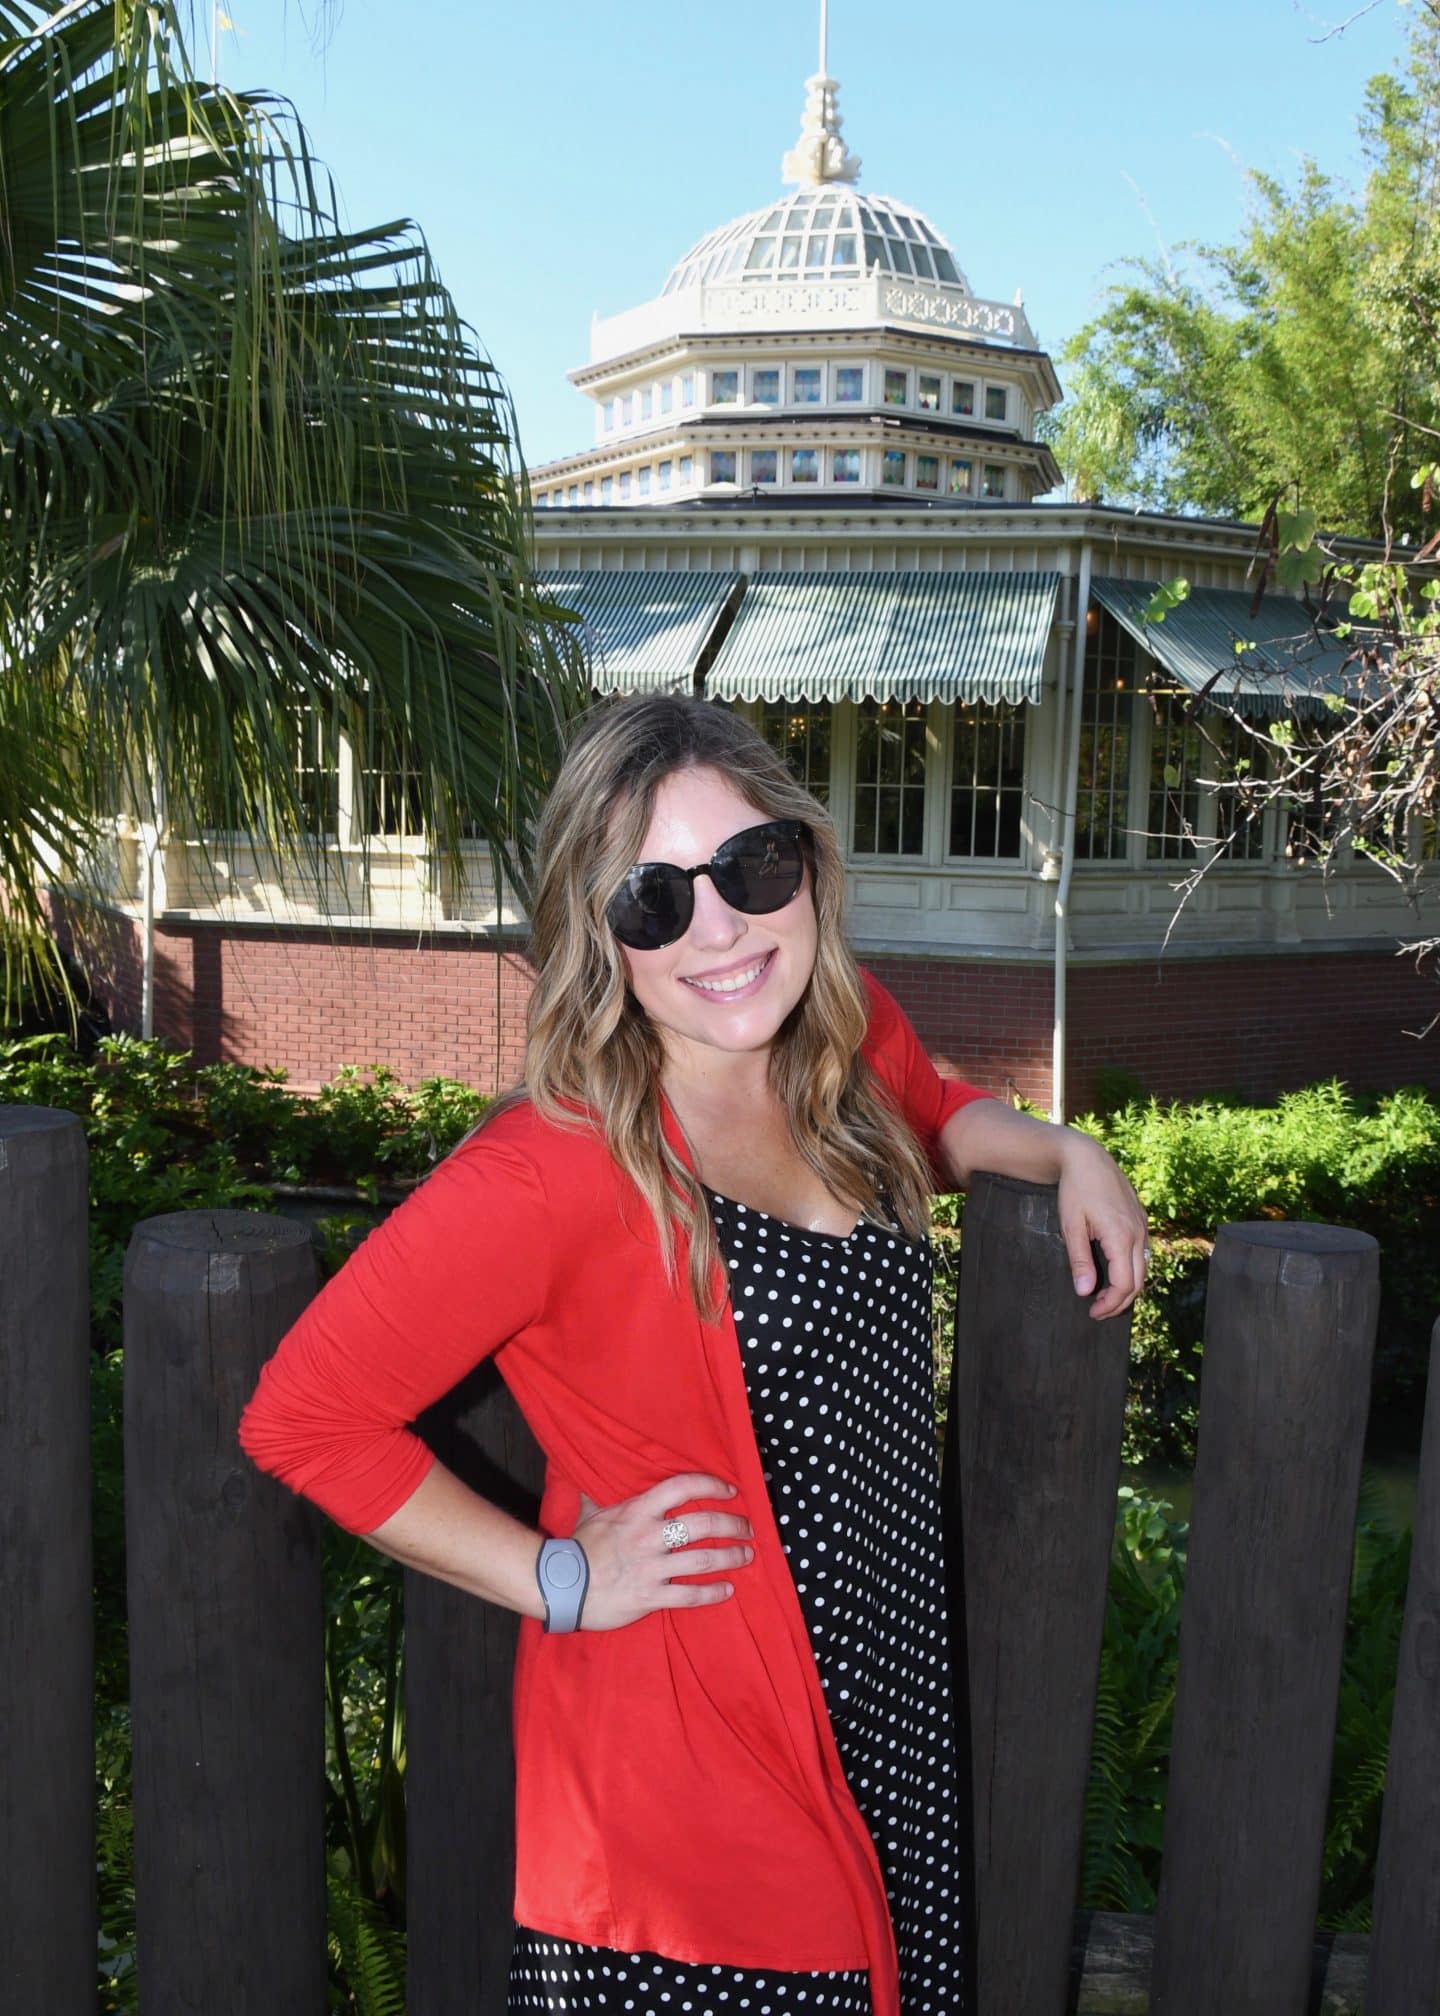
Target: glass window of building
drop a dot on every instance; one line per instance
(874, 250)
(897, 388)
(892, 468)
(849, 384)
(390, 787)
(764, 465)
(806, 385)
(724, 388)
(900, 253)
(607, 414)
(314, 758)
(627, 409)
(962, 479)
(817, 252)
(845, 465)
(663, 474)
(625, 484)
(687, 468)
(927, 472)
(687, 388)
(607, 489)
(962, 395)
(667, 395)
(997, 402)
(572, 496)
(890, 748)
(846, 250)
(1234, 754)
(647, 403)
(789, 254)
(722, 465)
(799, 730)
(590, 493)
(1176, 763)
(765, 387)
(987, 780)
(1102, 804)
(994, 484)
(643, 482)
(762, 256)
(927, 393)
(804, 465)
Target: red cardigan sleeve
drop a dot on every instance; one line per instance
(897, 1056)
(449, 1276)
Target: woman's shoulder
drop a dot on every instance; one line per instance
(514, 1132)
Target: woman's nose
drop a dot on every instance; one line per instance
(714, 922)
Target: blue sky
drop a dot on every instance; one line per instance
(560, 157)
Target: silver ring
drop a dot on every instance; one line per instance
(675, 1533)
(1144, 1252)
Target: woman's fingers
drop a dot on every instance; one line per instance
(706, 1560)
(710, 1526)
(673, 1491)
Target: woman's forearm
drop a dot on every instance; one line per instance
(988, 1134)
(447, 1530)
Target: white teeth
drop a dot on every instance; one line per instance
(734, 983)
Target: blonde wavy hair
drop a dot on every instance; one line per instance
(593, 1057)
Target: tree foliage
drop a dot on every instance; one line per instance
(253, 468)
(1291, 363)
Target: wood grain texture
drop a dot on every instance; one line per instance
(47, 1656)
(1114, 1951)
(1405, 1948)
(1038, 1395)
(460, 1764)
(226, 1631)
(1289, 1335)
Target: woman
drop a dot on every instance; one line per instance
(697, 1242)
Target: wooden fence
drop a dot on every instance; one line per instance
(226, 1631)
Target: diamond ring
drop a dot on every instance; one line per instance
(675, 1533)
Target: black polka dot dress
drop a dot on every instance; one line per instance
(835, 1338)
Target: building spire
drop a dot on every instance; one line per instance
(820, 155)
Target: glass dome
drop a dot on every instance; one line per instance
(825, 233)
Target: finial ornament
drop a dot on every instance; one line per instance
(820, 155)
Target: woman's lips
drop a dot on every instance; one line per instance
(736, 986)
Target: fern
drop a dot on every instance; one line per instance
(367, 1953)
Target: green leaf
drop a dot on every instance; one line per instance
(1172, 776)
(1299, 566)
(1169, 595)
(1296, 529)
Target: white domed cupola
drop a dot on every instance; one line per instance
(827, 233)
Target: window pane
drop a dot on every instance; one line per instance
(927, 396)
(849, 384)
(804, 465)
(608, 414)
(900, 253)
(724, 388)
(806, 386)
(627, 410)
(987, 780)
(664, 473)
(624, 486)
(996, 400)
(390, 786)
(927, 472)
(686, 468)
(590, 488)
(762, 256)
(895, 388)
(962, 396)
(763, 465)
(647, 403)
(1175, 763)
(687, 389)
(845, 465)
(893, 468)
(766, 387)
(722, 465)
(607, 489)
(845, 250)
(789, 253)
(644, 482)
(816, 252)
(799, 730)
(667, 396)
(890, 757)
(994, 480)
(962, 479)
(315, 762)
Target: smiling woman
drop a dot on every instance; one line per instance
(696, 1240)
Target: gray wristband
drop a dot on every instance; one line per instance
(563, 1573)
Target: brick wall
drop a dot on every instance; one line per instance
(313, 1000)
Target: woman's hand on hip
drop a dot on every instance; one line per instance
(631, 1565)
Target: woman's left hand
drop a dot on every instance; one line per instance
(1097, 1202)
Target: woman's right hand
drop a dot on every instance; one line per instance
(630, 1565)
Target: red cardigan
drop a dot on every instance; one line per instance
(678, 1789)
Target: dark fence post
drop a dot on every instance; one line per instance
(1405, 1945)
(1038, 1398)
(459, 1758)
(226, 1631)
(1289, 1332)
(47, 1650)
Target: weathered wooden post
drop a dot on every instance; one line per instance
(226, 1630)
(1038, 1398)
(459, 1758)
(47, 1648)
(1405, 1943)
(1289, 1333)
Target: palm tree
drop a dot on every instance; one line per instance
(254, 472)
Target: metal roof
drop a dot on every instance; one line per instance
(643, 632)
(887, 636)
(1285, 664)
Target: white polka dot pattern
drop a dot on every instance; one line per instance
(835, 1341)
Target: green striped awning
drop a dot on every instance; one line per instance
(643, 632)
(1284, 665)
(887, 636)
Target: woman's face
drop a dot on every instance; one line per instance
(689, 989)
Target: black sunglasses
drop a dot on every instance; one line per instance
(756, 871)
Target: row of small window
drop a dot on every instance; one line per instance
(922, 391)
(765, 468)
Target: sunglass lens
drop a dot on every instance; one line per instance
(760, 870)
(651, 908)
